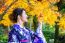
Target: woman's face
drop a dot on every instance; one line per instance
(24, 16)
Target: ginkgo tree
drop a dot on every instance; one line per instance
(45, 8)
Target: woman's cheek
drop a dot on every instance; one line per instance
(24, 18)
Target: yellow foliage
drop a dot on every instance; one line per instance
(6, 21)
(49, 16)
(53, 1)
(8, 2)
(2, 9)
(62, 23)
(41, 9)
(54, 8)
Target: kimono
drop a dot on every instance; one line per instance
(24, 35)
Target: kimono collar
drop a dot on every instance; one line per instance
(17, 27)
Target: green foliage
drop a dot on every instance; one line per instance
(48, 32)
(35, 22)
(3, 36)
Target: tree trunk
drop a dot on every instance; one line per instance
(56, 32)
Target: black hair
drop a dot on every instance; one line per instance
(15, 13)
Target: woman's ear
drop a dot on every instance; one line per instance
(18, 16)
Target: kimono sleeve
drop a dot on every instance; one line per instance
(37, 37)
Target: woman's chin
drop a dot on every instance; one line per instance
(26, 21)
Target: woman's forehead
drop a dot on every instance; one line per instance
(24, 12)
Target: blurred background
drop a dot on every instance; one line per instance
(51, 12)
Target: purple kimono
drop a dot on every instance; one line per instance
(24, 35)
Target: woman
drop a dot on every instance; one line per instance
(21, 34)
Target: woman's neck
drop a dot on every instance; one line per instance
(20, 23)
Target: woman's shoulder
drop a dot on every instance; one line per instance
(16, 31)
(12, 31)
